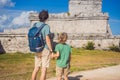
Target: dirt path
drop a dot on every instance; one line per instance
(109, 73)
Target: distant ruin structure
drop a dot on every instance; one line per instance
(84, 18)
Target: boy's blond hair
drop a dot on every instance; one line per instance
(62, 37)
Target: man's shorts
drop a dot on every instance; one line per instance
(42, 59)
(62, 71)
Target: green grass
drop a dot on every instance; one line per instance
(19, 66)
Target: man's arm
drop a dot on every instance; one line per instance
(48, 42)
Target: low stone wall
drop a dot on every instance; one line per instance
(19, 42)
(99, 43)
(14, 43)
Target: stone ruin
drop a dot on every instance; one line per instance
(84, 22)
(84, 18)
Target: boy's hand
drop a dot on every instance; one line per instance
(52, 55)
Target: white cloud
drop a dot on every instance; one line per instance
(22, 20)
(8, 3)
(6, 17)
(14, 19)
(3, 18)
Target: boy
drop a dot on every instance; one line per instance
(63, 55)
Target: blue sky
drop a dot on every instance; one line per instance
(14, 13)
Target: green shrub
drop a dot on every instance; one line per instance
(114, 48)
(90, 46)
(68, 13)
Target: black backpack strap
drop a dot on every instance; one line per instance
(39, 29)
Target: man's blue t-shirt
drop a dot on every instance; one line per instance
(45, 31)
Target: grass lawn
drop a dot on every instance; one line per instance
(19, 66)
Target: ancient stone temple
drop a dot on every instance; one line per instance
(84, 18)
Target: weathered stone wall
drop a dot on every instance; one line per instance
(85, 6)
(99, 43)
(19, 42)
(14, 43)
(78, 26)
(98, 27)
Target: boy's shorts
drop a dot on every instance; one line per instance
(42, 59)
(62, 71)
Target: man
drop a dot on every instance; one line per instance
(42, 59)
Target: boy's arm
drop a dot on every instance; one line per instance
(55, 55)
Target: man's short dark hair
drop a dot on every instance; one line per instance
(43, 15)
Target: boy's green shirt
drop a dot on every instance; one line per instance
(64, 52)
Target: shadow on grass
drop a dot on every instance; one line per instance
(2, 50)
(75, 78)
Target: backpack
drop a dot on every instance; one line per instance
(35, 38)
